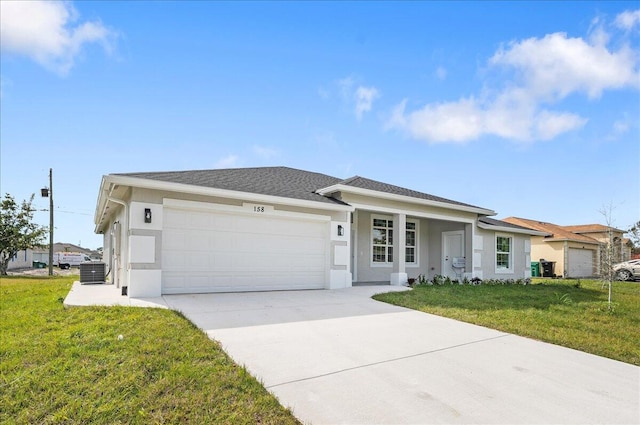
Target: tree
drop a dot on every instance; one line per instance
(634, 237)
(608, 253)
(17, 230)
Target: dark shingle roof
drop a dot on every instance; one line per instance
(364, 183)
(275, 181)
(280, 181)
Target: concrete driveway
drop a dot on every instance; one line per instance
(340, 357)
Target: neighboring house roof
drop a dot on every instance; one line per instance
(557, 233)
(68, 247)
(591, 228)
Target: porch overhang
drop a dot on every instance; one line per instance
(509, 229)
(327, 191)
(411, 213)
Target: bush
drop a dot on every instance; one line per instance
(445, 280)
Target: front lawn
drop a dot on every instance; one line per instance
(62, 365)
(571, 313)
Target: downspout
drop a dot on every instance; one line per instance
(125, 250)
(565, 259)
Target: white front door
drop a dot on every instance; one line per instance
(452, 247)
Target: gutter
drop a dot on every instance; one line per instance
(511, 229)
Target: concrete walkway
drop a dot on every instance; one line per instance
(106, 294)
(339, 357)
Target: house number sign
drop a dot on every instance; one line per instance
(258, 208)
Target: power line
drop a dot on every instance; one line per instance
(66, 212)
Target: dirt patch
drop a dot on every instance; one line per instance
(43, 272)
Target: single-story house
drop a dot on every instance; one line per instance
(576, 250)
(22, 260)
(42, 255)
(279, 228)
(605, 235)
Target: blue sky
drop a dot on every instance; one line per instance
(529, 109)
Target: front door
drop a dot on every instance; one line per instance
(452, 247)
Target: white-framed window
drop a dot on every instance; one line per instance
(411, 248)
(382, 241)
(504, 253)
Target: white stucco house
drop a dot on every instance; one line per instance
(279, 228)
(23, 259)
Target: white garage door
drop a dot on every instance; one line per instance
(580, 262)
(211, 251)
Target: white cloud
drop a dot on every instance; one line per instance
(364, 97)
(621, 127)
(544, 72)
(548, 125)
(345, 87)
(359, 98)
(469, 119)
(264, 152)
(556, 66)
(44, 32)
(628, 19)
(441, 73)
(228, 161)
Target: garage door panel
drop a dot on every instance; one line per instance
(580, 262)
(208, 251)
(171, 237)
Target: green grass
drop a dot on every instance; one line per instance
(68, 366)
(554, 311)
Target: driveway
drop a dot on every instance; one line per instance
(339, 357)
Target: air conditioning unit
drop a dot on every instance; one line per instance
(92, 272)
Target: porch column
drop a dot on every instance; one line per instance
(399, 275)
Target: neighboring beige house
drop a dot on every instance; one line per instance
(604, 235)
(576, 250)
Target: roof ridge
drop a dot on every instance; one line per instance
(350, 179)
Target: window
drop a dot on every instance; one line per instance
(504, 246)
(382, 241)
(410, 256)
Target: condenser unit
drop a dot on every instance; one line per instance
(93, 272)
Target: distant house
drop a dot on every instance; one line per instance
(279, 228)
(42, 255)
(575, 250)
(23, 259)
(604, 235)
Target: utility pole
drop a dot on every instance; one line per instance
(50, 221)
(48, 193)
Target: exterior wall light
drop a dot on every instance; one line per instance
(340, 230)
(147, 215)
